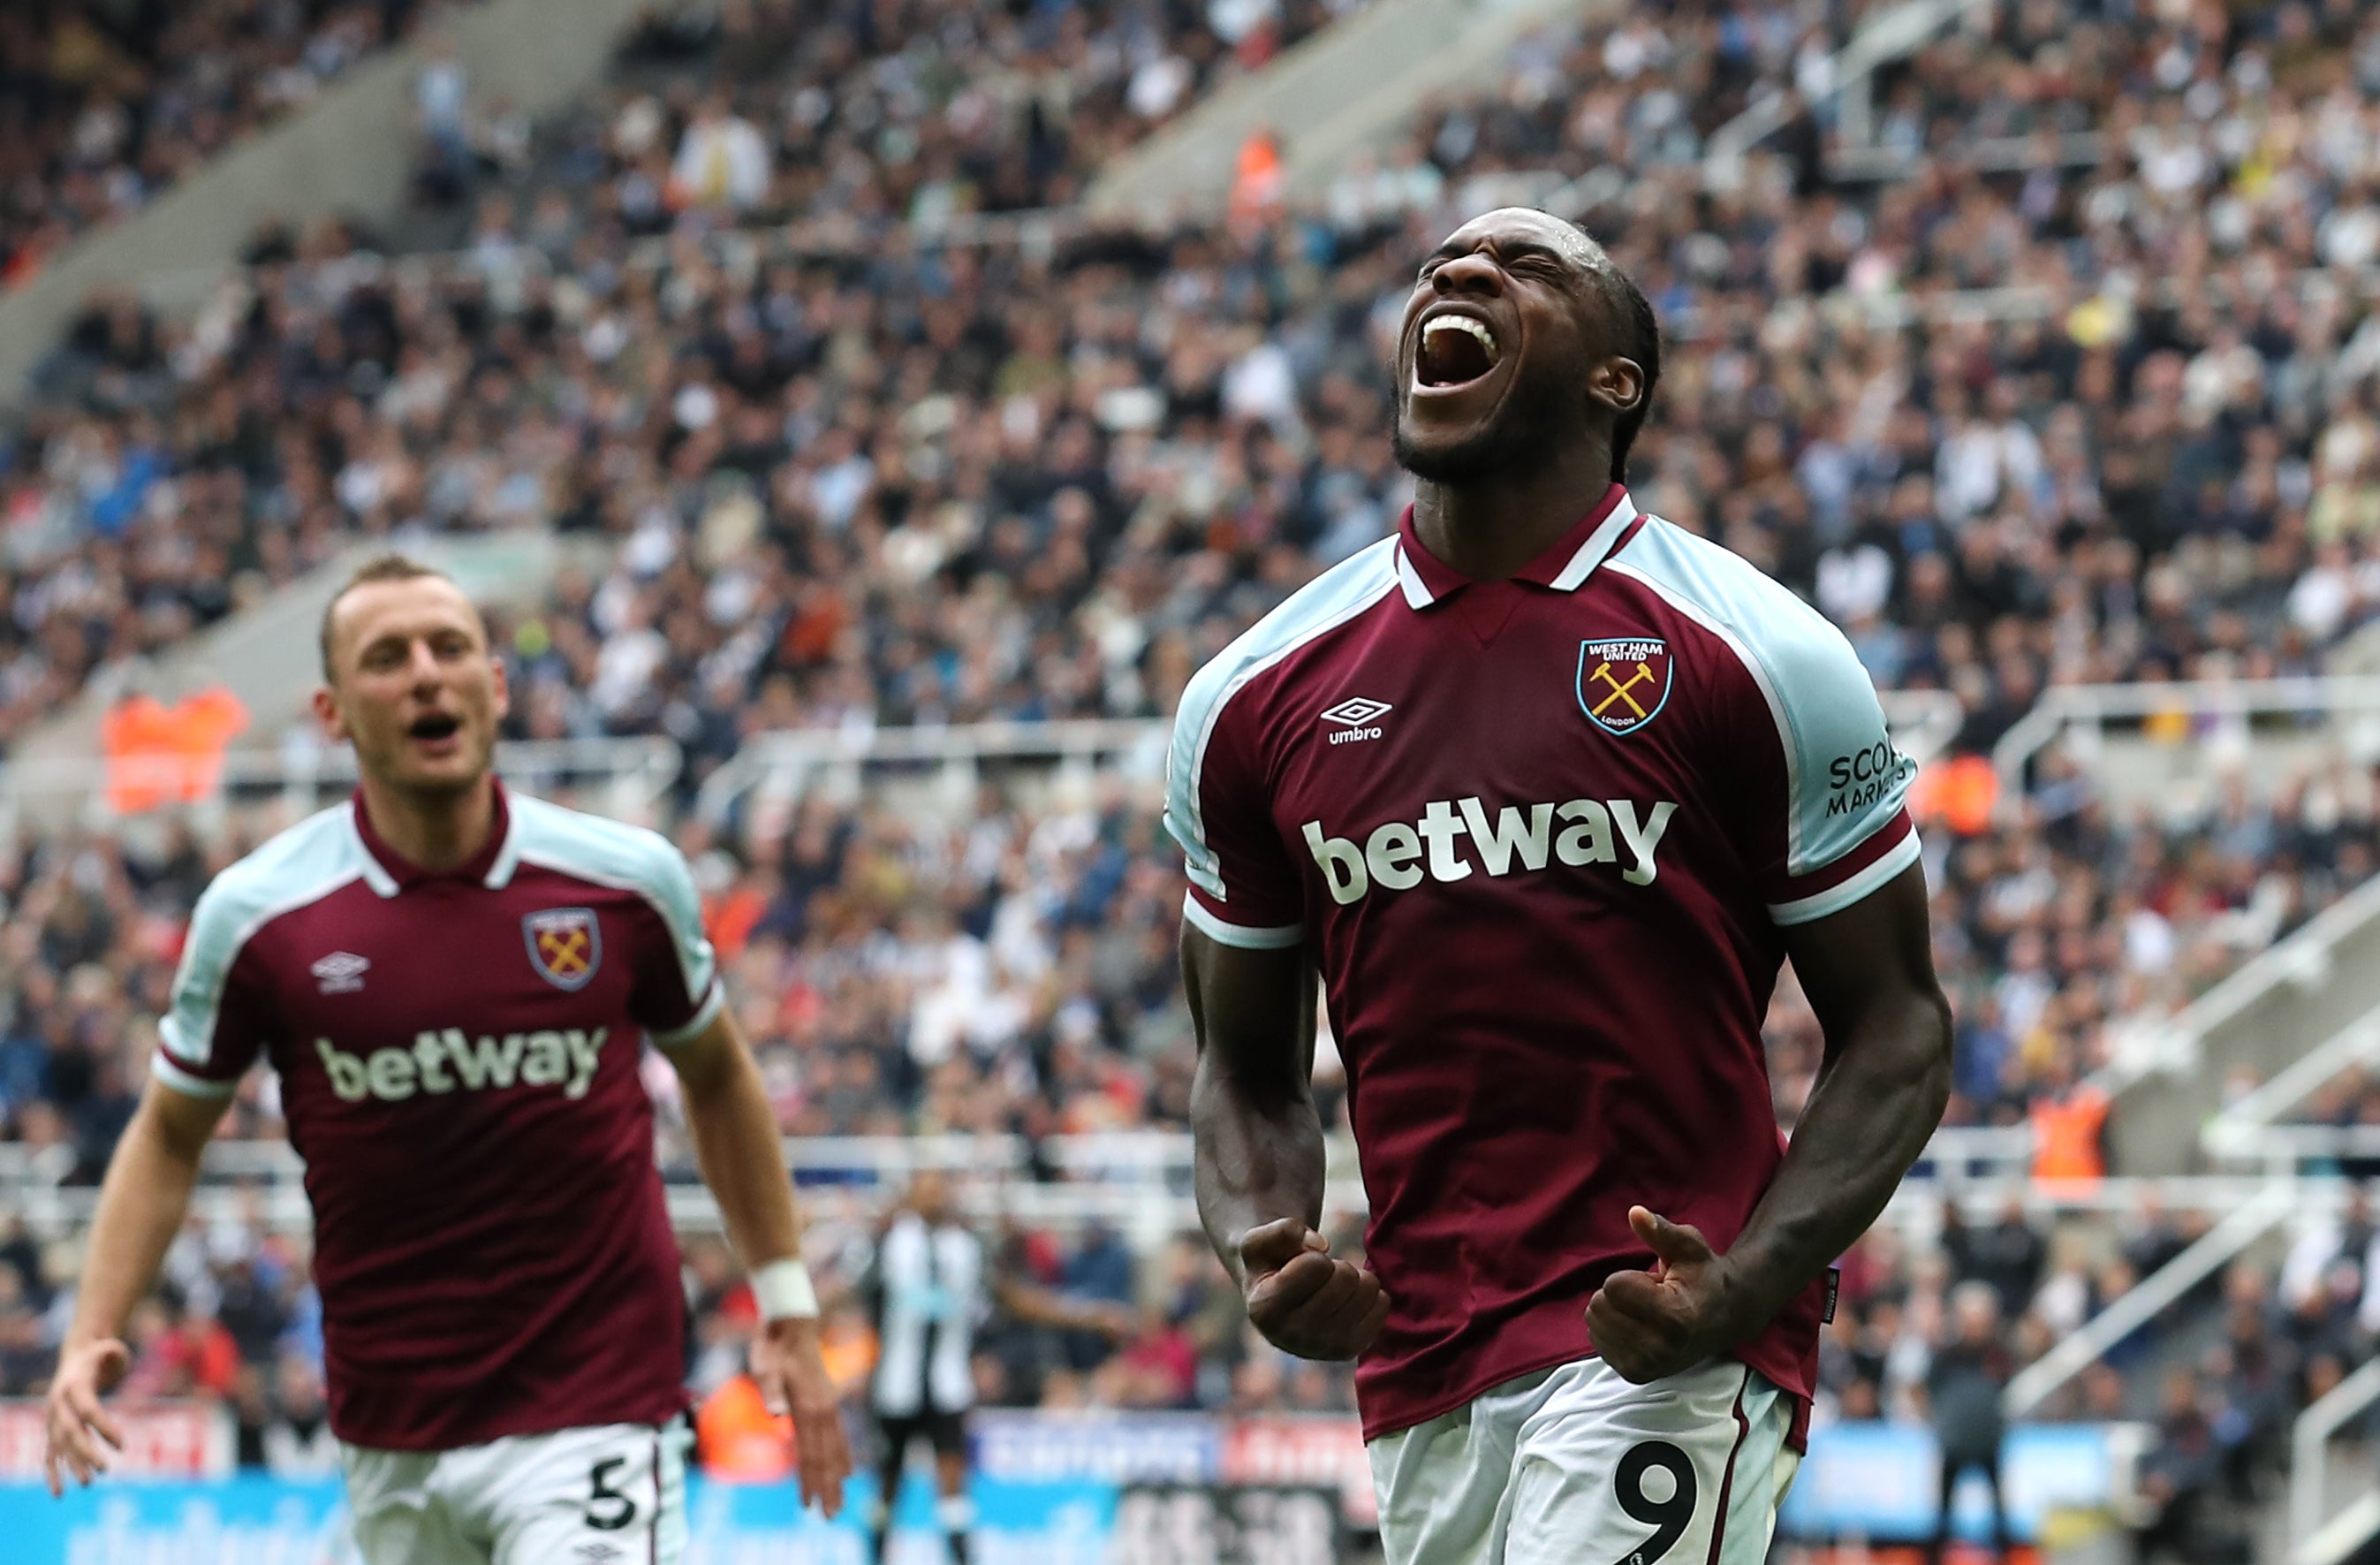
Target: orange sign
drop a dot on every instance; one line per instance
(159, 754)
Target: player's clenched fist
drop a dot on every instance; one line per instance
(1304, 1302)
(1652, 1324)
(79, 1432)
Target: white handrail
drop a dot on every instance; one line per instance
(2247, 1130)
(2289, 1145)
(778, 765)
(2005, 1148)
(2073, 149)
(778, 762)
(2303, 959)
(2352, 1045)
(1138, 1209)
(1923, 723)
(1074, 736)
(47, 1206)
(1885, 38)
(2309, 1461)
(1111, 1156)
(639, 770)
(2150, 1297)
(2346, 1532)
(1917, 1204)
(2062, 706)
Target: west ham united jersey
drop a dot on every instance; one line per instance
(1541, 836)
(458, 1064)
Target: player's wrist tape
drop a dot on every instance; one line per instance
(783, 1292)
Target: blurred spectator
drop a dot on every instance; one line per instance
(722, 162)
(2008, 1257)
(2253, 1371)
(1101, 1269)
(441, 106)
(2179, 1475)
(297, 1442)
(1962, 1395)
(2328, 1272)
(25, 1352)
(2069, 1125)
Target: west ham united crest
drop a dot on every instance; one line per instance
(565, 945)
(1623, 684)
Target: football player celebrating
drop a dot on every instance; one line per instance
(453, 984)
(1549, 790)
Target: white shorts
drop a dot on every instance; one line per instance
(1575, 1466)
(611, 1495)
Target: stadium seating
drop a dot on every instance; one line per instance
(103, 111)
(793, 111)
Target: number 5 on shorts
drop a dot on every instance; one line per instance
(609, 1510)
(1668, 1516)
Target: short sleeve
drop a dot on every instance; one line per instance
(1245, 888)
(1836, 825)
(677, 992)
(220, 1018)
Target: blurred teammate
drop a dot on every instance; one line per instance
(1548, 788)
(453, 986)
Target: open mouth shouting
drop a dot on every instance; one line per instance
(1462, 362)
(1455, 351)
(436, 732)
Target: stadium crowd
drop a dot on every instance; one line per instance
(789, 110)
(1013, 974)
(106, 105)
(904, 481)
(1935, 1332)
(922, 480)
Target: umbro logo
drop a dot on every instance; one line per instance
(342, 972)
(1355, 718)
(1355, 713)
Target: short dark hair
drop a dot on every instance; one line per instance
(380, 567)
(1645, 347)
(1640, 333)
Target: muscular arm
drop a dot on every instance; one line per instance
(142, 1203)
(735, 1143)
(1259, 1156)
(1868, 972)
(1882, 1084)
(1258, 1139)
(736, 1146)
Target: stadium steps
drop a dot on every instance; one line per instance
(2157, 1306)
(352, 151)
(264, 655)
(1348, 87)
(2351, 1536)
(2169, 1077)
(1888, 35)
(2182, 1337)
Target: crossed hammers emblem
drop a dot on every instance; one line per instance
(1621, 689)
(565, 951)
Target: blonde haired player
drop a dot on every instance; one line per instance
(454, 985)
